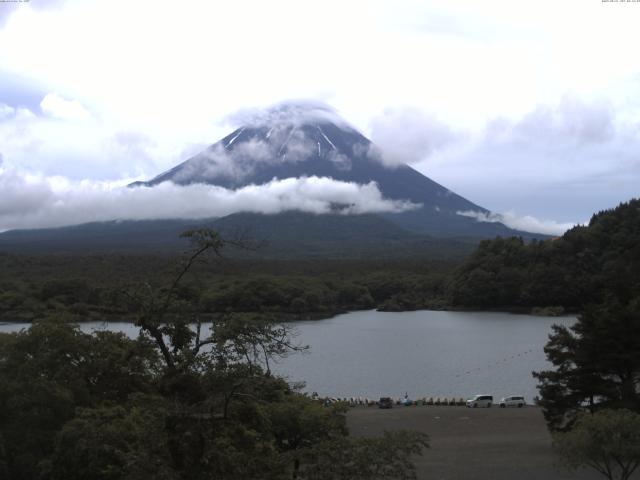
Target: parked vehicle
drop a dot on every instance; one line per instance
(514, 401)
(480, 401)
(385, 402)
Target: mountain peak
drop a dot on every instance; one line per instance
(309, 139)
(290, 113)
(291, 139)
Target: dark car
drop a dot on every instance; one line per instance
(385, 402)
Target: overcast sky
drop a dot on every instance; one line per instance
(528, 108)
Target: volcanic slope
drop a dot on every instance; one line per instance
(293, 141)
(299, 140)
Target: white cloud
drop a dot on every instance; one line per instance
(58, 107)
(572, 119)
(408, 136)
(36, 201)
(465, 61)
(564, 160)
(6, 111)
(287, 113)
(285, 145)
(467, 64)
(8, 8)
(81, 149)
(17, 115)
(135, 146)
(525, 223)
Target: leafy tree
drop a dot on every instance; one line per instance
(300, 425)
(382, 458)
(586, 265)
(113, 442)
(172, 336)
(51, 370)
(607, 441)
(597, 364)
(178, 402)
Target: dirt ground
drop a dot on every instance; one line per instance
(467, 444)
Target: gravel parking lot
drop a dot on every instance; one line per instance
(466, 444)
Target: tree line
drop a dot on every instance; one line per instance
(591, 396)
(586, 265)
(175, 403)
(98, 287)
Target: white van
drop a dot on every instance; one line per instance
(480, 401)
(515, 401)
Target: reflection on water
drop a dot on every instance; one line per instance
(423, 353)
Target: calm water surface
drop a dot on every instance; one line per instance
(424, 353)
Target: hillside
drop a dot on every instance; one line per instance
(408, 214)
(286, 235)
(303, 140)
(583, 266)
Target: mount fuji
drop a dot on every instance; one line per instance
(296, 142)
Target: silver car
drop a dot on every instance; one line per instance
(514, 401)
(480, 401)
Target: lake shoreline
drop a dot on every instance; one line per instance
(425, 353)
(324, 315)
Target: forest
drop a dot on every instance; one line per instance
(98, 287)
(172, 404)
(548, 277)
(586, 265)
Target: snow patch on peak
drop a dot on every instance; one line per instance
(289, 113)
(326, 138)
(234, 138)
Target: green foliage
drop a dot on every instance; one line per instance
(299, 423)
(287, 294)
(585, 265)
(597, 364)
(50, 370)
(387, 457)
(177, 402)
(110, 287)
(607, 441)
(126, 441)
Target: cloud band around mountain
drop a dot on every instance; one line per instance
(526, 223)
(38, 202)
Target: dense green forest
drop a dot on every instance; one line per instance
(552, 276)
(172, 404)
(590, 397)
(103, 406)
(585, 265)
(98, 287)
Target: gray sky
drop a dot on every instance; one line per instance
(530, 109)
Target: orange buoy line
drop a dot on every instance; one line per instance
(496, 363)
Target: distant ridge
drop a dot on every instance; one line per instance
(286, 235)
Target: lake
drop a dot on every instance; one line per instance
(424, 353)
